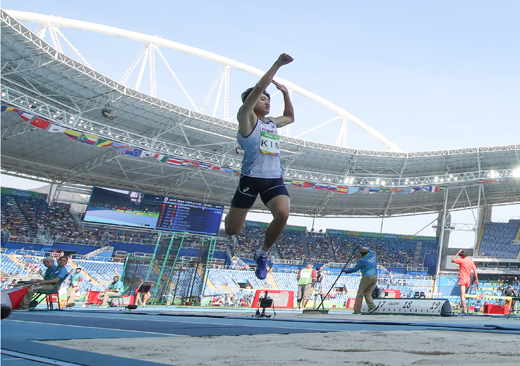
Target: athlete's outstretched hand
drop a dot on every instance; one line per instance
(284, 59)
(280, 87)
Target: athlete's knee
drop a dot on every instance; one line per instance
(231, 226)
(281, 216)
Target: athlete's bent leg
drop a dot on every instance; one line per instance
(235, 220)
(279, 207)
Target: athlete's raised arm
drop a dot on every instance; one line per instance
(288, 113)
(246, 114)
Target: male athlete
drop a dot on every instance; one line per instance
(262, 171)
(466, 265)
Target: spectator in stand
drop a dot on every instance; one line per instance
(115, 289)
(52, 276)
(75, 282)
(466, 265)
(306, 279)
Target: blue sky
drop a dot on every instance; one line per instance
(428, 75)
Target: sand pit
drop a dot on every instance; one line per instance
(414, 347)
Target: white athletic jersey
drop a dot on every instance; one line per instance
(261, 151)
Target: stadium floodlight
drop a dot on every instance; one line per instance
(516, 173)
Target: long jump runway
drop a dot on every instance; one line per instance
(28, 336)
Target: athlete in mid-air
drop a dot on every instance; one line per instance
(262, 171)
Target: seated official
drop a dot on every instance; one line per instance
(52, 276)
(115, 289)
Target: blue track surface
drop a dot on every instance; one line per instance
(22, 330)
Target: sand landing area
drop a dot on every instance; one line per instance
(185, 337)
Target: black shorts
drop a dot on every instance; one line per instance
(249, 187)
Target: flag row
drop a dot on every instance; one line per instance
(180, 161)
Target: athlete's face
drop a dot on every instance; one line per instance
(263, 105)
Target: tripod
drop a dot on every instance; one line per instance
(337, 278)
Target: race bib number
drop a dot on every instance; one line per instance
(269, 143)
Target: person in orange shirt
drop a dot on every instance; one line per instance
(466, 265)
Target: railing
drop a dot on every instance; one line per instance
(288, 261)
(45, 237)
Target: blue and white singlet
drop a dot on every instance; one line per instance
(261, 151)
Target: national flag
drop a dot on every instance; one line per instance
(364, 190)
(297, 183)
(162, 158)
(205, 166)
(87, 139)
(405, 190)
(175, 161)
(285, 181)
(443, 187)
(342, 189)
(7, 109)
(352, 190)
(414, 189)
(71, 134)
(482, 181)
(331, 188)
(13, 296)
(25, 116)
(320, 186)
(40, 123)
(119, 147)
(374, 190)
(133, 151)
(56, 129)
(490, 181)
(308, 185)
(146, 154)
(227, 170)
(103, 143)
(425, 189)
(237, 173)
(395, 190)
(191, 162)
(433, 189)
(384, 189)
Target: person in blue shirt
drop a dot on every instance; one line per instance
(52, 276)
(368, 266)
(74, 285)
(115, 289)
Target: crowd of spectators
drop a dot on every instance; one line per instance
(320, 248)
(11, 221)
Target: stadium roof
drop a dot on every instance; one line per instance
(47, 84)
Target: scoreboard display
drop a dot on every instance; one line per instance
(139, 209)
(194, 217)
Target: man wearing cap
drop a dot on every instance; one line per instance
(306, 278)
(74, 285)
(368, 266)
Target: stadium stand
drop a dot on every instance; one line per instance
(498, 240)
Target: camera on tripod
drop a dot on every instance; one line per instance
(264, 302)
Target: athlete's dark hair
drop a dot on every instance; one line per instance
(463, 254)
(248, 91)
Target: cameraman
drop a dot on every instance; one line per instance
(306, 278)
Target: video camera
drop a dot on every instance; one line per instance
(264, 302)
